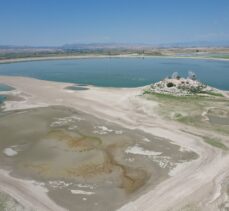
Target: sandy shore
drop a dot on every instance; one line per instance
(194, 183)
(21, 190)
(3, 61)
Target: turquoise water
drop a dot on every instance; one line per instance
(2, 98)
(121, 72)
(4, 87)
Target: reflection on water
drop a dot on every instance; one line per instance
(86, 163)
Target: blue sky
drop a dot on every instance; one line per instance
(56, 22)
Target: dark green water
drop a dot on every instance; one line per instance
(121, 72)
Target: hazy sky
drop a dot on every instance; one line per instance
(56, 22)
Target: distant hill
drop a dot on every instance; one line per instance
(182, 48)
(195, 44)
(118, 46)
(94, 46)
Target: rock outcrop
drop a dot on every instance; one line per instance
(181, 87)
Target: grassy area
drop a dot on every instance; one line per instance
(212, 93)
(185, 109)
(220, 56)
(164, 98)
(2, 205)
(7, 203)
(146, 91)
(188, 120)
(195, 96)
(189, 207)
(190, 100)
(215, 143)
(190, 110)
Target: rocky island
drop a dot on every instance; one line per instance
(178, 86)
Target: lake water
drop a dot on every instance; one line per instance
(121, 72)
(4, 87)
(2, 98)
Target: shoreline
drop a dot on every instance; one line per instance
(94, 56)
(21, 190)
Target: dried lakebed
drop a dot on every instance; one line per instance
(198, 184)
(84, 162)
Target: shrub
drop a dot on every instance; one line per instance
(170, 84)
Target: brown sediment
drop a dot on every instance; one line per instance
(132, 178)
(91, 170)
(78, 141)
(41, 168)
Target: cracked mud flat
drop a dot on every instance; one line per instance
(84, 162)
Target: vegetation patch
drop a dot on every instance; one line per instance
(215, 143)
(169, 97)
(178, 86)
(7, 203)
(170, 84)
(217, 94)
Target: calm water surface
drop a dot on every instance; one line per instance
(2, 98)
(4, 87)
(121, 72)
